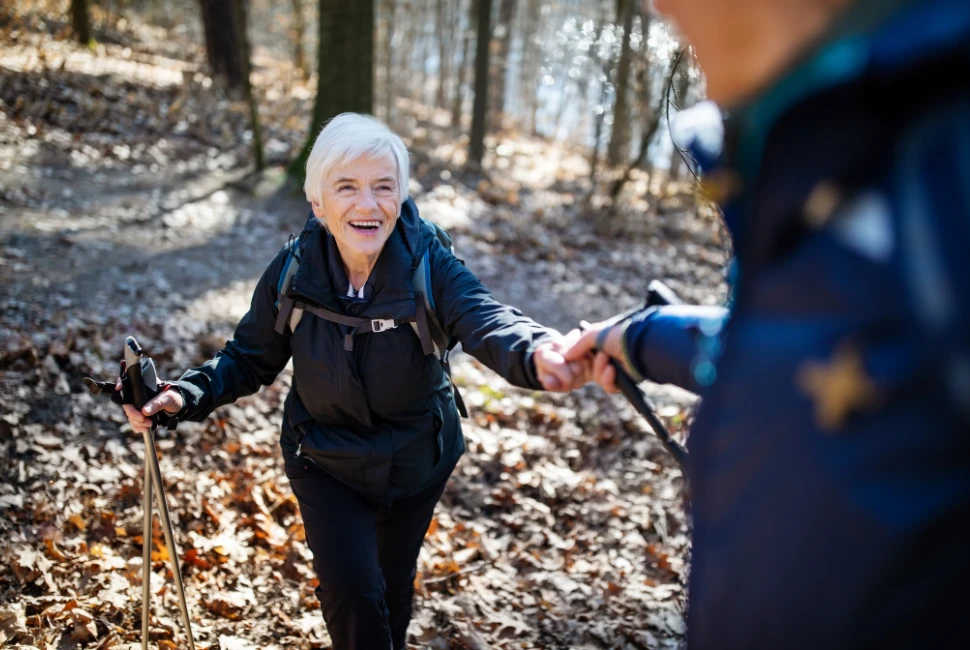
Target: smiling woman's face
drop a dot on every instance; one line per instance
(360, 205)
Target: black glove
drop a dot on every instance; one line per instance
(153, 386)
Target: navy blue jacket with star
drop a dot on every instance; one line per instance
(830, 459)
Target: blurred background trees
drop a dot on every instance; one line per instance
(596, 76)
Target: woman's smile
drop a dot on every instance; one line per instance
(366, 227)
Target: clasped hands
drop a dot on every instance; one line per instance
(579, 357)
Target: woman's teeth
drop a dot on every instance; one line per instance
(366, 225)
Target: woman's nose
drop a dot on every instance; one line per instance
(366, 201)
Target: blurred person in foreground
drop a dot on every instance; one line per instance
(371, 430)
(829, 462)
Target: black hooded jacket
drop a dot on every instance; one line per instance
(380, 418)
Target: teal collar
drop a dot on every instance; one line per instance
(841, 54)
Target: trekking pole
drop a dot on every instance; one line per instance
(639, 400)
(153, 477)
(657, 294)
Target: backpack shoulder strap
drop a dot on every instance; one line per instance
(423, 294)
(290, 266)
(289, 312)
(427, 325)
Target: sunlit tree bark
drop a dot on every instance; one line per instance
(618, 149)
(299, 29)
(466, 39)
(476, 145)
(81, 21)
(224, 51)
(345, 62)
(503, 38)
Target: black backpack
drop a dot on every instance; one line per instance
(425, 322)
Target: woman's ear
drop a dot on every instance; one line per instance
(318, 214)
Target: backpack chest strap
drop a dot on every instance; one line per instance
(359, 325)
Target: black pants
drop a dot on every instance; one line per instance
(365, 556)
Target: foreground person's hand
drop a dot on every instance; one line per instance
(603, 342)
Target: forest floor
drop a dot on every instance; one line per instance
(128, 206)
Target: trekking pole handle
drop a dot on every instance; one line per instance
(659, 294)
(133, 356)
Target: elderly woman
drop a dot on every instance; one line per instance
(370, 432)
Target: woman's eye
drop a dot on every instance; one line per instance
(385, 188)
(344, 188)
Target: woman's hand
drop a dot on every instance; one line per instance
(169, 401)
(606, 343)
(554, 372)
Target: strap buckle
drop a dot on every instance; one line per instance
(382, 324)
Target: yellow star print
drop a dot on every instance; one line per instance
(837, 387)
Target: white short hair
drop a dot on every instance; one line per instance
(349, 136)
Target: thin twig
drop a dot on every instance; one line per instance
(469, 569)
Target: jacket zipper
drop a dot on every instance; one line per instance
(299, 445)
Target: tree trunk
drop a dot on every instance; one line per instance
(476, 145)
(81, 21)
(594, 160)
(389, 11)
(446, 31)
(618, 150)
(529, 71)
(600, 116)
(404, 78)
(247, 86)
(299, 29)
(584, 82)
(345, 61)
(568, 92)
(422, 18)
(649, 130)
(466, 38)
(503, 31)
(220, 19)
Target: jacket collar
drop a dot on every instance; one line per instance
(872, 36)
(317, 278)
(885, 44)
